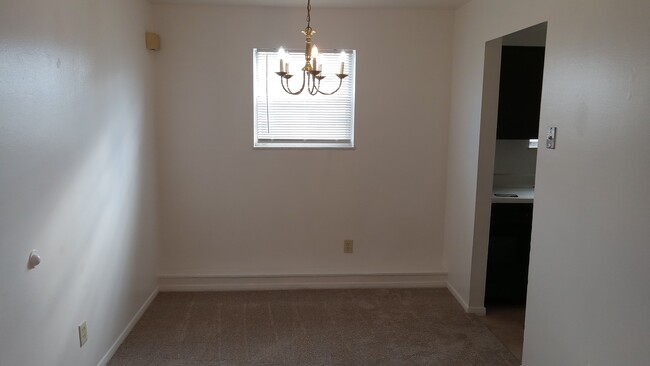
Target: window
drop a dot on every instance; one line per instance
(302, 121)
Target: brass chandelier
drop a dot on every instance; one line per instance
(312, 72)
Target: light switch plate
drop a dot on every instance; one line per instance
(83, 334)
(550, 138)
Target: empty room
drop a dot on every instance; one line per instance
(324, 182)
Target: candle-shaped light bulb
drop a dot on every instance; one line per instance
(342, 58)
(314, 56)
(281, 56)
(314, 52)
(286, 67)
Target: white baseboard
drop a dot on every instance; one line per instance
(290, 282)
(478, 310)
(111, 351)
(459, 298)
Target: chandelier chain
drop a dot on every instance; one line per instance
(308, 13)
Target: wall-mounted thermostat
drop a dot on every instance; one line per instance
(152, 41)
(550, 138)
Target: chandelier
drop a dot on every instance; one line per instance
(312, 72)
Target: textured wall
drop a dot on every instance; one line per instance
(588, 292)
(229, 209)
(76, 177)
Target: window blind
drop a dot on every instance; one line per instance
(284, 120)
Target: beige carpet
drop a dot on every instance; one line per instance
(319, 327)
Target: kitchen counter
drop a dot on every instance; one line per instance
(524, 194)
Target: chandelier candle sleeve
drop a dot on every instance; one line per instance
(281, 55)
(315, 55)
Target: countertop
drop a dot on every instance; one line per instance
(525, 194)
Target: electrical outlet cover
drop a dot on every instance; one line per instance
(348, 246)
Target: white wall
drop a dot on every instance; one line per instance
(75, 177)
(588, 293)
(230, 210)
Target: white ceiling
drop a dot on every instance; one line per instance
(448, 4)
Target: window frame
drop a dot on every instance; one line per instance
(312, 144)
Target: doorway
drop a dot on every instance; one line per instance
(507, 162)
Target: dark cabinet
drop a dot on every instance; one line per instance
(508, 254)
(520, 92)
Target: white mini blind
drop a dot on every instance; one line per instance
(284, 120)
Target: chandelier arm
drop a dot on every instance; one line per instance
(311, 85)
(337, 89)
(303, 84)
(316, 86)
(288, 89)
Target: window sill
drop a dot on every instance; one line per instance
(301, 145)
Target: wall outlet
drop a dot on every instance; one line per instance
(83, 334)
(348, 246)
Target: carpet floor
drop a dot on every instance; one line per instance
(310, 327)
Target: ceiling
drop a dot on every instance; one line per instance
(447, 4)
